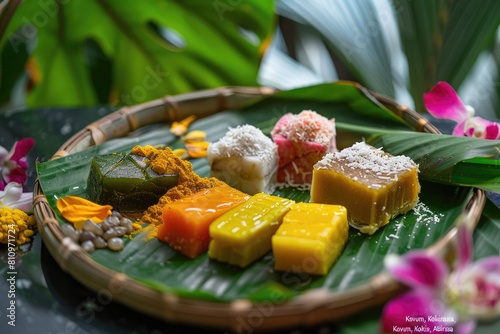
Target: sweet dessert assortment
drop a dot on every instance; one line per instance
(302, 139)
(233, 216)
(244, 158)
(310, 239)
(373, 185)
(243, 234)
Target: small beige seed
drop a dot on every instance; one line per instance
(111, 233)
(88, 246)
(127, 223)
(115, 244)
(69, 231)
(85, 236)
(99, 242)
(120, 230)
(90, 226)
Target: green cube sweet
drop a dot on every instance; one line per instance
(126, 182)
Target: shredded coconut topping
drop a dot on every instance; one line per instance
(361, 156)
(244, 140)
(308, 125)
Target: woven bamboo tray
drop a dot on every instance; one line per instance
(311, 308)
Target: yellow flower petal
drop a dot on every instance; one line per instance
(34, 73)
(77, 210)
(180, 128)
(181, 153)
(194, 136)
(197, 149)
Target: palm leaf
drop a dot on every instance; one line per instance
(343, 25)
(461, 47)
(280, 71)
(420, 26)
(442, 40)
(402, 48)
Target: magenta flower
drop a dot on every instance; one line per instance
(443, 102)
(440, 301)
(13, 163)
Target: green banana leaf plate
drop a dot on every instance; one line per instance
(153, 278)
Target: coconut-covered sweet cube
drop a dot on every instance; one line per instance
(246, 159)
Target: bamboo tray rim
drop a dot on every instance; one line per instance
(313, 307)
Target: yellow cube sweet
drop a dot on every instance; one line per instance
(311, 238)
(243, 234)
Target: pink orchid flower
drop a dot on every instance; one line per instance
(443, 102)
(440, 301)
(13, 163)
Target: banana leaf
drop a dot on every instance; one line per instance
(156, 265)
(448, 159)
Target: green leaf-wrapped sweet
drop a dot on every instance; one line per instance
(126, 182)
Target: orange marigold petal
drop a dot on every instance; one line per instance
(197, 149)
(77, 210)
(181, 153)
(194, 136)
(180, 128)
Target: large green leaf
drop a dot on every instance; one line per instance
(157, 265)
(154, 48)
(487, 236)
(443, 39)
(353, 31)
(448, 159)
(421, 30)
(399, 48)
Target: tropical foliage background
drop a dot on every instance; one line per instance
(68, 53)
